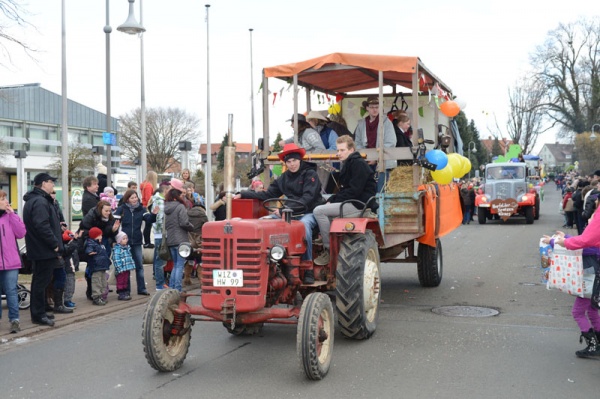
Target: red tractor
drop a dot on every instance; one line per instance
(252, 274)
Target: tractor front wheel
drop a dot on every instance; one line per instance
(529, 217)
(165, 334)
(481, 215)
(358, 285)
(314, 337)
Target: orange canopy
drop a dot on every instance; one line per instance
(344, 73)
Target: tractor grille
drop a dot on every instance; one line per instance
(230, 253)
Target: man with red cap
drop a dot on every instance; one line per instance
(301, 183)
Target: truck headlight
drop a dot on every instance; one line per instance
(184, 249)
(277, 253)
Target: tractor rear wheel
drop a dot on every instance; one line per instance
(358, 285)
(164, 350)
(481, 215)
(314, 337)
(430, 264)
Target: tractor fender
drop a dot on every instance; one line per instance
(357, 225)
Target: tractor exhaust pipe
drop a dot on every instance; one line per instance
(229, 168)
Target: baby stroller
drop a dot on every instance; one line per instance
(24, 297)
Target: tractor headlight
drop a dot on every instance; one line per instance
(277, 253)
(184, 249)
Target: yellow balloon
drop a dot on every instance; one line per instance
(443, 176)
(455, 162)
(466, 166)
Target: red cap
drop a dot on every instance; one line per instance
(67, 235)
(95, 233)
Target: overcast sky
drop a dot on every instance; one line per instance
(478, 48)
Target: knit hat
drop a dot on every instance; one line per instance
(101, 169)
(67, 235)
(95, 233)
(120, 236)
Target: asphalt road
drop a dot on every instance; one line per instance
(526, 351)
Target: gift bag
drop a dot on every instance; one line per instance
(566, 271)
(546, 253)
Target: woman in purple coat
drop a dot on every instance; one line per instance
(11, 228)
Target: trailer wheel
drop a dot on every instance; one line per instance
(164, 350)
(430, 264)
(529, 217)
(358, 285)
(244, 329)
(481, 215)
(537, 208)
(314, 337)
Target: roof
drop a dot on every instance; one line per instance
(32, 103)
(489, 144)
(561, 151)
(344, 72)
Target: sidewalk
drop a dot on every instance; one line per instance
(85, 309)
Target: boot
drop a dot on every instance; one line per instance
(593, 349)
(309, 277)
(59, 305)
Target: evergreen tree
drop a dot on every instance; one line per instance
(276, 146)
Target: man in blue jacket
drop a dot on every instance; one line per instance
(44, 243)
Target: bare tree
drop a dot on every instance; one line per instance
(526, 118)
(165, 128)
(11, 14)
(586, 152)
(567, 65)
(80, 163)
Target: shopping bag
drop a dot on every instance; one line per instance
(163, 251)
(566, 271)
(546, 253)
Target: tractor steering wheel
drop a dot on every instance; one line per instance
(284, 201)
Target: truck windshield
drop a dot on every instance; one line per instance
(505, 172)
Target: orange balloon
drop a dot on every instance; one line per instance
(450, 108)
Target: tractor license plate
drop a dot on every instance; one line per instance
(228, 278)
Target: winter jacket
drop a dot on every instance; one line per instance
(158, 200)
(578, 200)
(131, 222)
(98, 262)
(590, 204)
(11, 228)
(310, 140)
(94, 219)
(177, 223)
(468, 196)
(328, 137)
(566, 198)
(88, 201)
(356, 181)
(389, 137)
(111, 200)
(197, 216)
(43, 226)
(122, 259)
(401, 139)
(303, 186)
(147, 192)
(103, 183)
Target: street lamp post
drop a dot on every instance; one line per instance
(469, 153)
(131, 27)
(107, 30)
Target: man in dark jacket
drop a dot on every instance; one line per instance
(90, 196)
(43, 241)
(356, 183)
(299, 182)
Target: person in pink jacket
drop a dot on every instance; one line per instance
(589, 239)
(11, 228)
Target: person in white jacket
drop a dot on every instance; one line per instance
(366, 135)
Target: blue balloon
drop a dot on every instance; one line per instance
(437, 157)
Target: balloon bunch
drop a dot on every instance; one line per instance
(451, 108)
(450, 166)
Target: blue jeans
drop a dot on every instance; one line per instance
(159, 264)
(309, 222)
(8, 284)
(138, 259)
(177, 272)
